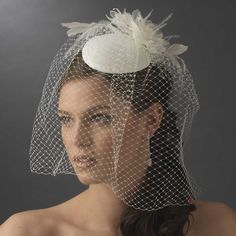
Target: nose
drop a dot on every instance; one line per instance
(82, 136)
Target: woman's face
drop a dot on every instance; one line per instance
(89, 128)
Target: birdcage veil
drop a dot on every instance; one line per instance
(126, 62)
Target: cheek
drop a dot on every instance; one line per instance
(133, 133)
(102, 141)
(133, 144)
(132, 157)
(131, 141)
(65, 138)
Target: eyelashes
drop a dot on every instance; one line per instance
(64, 119)
(100, 118)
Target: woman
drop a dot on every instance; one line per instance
(115, 111)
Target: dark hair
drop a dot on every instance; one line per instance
(170, 220)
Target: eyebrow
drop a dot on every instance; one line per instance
(90, 110)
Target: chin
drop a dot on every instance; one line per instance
(86, 179)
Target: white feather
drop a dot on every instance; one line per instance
(144, 32)
(77, 27)
(176, 49)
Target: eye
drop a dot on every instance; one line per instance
(64, 119)
(101, 117)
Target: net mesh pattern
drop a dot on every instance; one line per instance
(127, 130)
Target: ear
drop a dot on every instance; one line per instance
(154, 115)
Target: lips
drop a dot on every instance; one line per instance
(83, 158)
(84, 161)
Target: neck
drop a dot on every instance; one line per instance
(99, 209)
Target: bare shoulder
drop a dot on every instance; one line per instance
(218, 217)
(16, 225)
(26, 223)
(226, 219)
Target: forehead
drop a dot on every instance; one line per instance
(78, 95)
(84, 87)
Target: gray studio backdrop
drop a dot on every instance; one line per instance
(30, 35)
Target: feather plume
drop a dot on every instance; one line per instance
(144, 32)
(77, 27)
